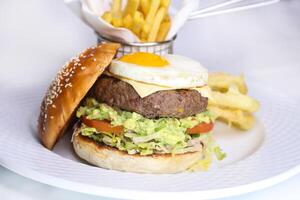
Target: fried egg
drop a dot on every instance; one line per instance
(168, 71)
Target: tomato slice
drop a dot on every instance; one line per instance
(103, 126)
(201, 128)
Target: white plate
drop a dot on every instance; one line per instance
(259, 158)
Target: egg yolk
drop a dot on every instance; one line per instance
(145, 59)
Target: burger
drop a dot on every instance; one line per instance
(141, 112)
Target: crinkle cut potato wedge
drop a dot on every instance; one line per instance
(220, 81)
(229, 100)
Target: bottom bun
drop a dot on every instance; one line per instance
(111, 158)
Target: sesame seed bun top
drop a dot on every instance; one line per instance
(68, 88)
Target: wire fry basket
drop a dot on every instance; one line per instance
(159, 48)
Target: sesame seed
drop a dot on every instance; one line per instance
(62, 80)
(94, 59)
(68, 85)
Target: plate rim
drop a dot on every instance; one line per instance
(139, 194)
(123, 193)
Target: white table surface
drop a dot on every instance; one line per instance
(38, 36)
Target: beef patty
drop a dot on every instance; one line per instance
(168, 103)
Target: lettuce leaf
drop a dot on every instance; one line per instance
(220, 155)
(142, 135)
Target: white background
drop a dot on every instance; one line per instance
(38, 36)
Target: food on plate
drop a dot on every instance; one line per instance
(222, 81)
(68, 88)
(139, 113)
(239, 118)
(148, 20)
(229, 100)
(234, 99)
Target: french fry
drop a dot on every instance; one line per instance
(234, 100)
(148, 19)
(154, 6)
(131, 7)
(116, 6)
(145, 6)
(238, 118)
(138, 23)
(107, 16)
(165, 3)
(229, 102)
(156, 24)
(116, 13)
(128, 21)
(143, 34)
(221, 82)
(167, 18)
(117, 21)
(163, 31)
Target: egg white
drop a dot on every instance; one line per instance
(182, 72)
